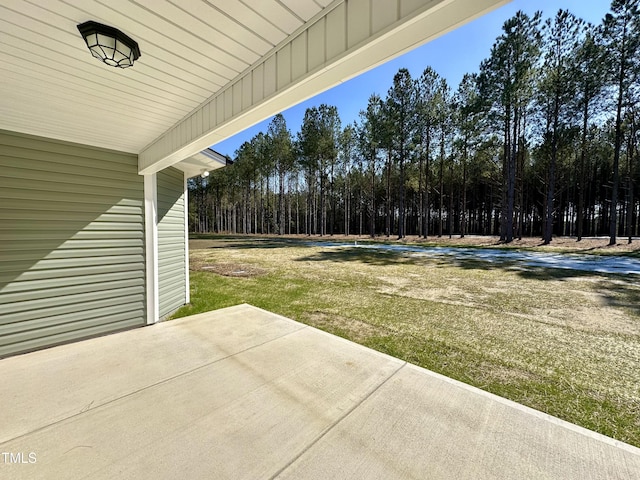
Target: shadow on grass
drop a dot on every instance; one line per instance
(249, 242)
(621, 295)
(387, 257)
(361, 255)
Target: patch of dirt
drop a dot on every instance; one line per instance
(491, 372)
(230, 269)
(403, 287)
(357, 330)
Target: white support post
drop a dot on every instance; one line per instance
(151, 246)
(187, 294)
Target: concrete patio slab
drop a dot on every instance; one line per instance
(243, 393)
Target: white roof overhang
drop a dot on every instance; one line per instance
(208, 70)
(201, 162)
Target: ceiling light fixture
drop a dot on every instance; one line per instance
(109, 45)
(204, 173)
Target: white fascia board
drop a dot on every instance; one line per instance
(348, 39)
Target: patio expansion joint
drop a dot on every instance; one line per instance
(152, 385)
(336, 422)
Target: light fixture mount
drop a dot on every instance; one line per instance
(109, 45)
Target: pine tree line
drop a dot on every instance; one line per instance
(542, 140)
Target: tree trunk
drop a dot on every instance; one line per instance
(427, 207)
(388, 219)
(613, 215)
(463, 207)
(548, 229)
(511, 181)
(401, 206)
(372, 201)
(630, 200)
(441, 185)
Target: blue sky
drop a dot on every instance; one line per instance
(451, 55)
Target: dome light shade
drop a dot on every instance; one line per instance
(109, 45)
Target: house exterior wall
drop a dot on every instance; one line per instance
(171, 241)
(72, 259)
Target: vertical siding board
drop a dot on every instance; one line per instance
(299, 56)
(171, 241)
(71, 248)
(336, 32)
(247, 98)
(383, 14)
(284, 66)
(236, 91)
(317, 44)
(206, 118)
(359, 21)
(228, 103)
(220, 109)
(258, 83)
(270, 76)
(409, 6)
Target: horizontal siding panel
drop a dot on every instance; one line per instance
(68, 298)
(122, 310)
(171, 241)
(172, 247)
(32, 244)
(20, 193)
(97, 305)
(32, 159)
(58, 216)
(63, 253)
(72, 259)
(77, 226)
(48, 186)
(87, 179)
(33, 275)
(35, 287)
(10, 238)
(73, 207)
(61, 292)
(85, 329)
(171, 264)
(54, 264)
(173, 300)
(101, 155)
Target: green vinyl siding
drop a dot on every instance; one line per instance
(171, 241)
(71, 242)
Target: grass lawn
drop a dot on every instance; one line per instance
(561, 341)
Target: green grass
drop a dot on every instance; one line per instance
(563, 342)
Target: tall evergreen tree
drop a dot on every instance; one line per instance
(506, 80)
(400, 112)
(588, 71)
(468, 124)
(426, 109)
(347, 152)
(282, 157)
(369, 134)
(621, 32)
(556, 90)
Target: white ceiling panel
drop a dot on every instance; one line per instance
(243, 15)
(302, 8)
(191, 49)
(275, 13)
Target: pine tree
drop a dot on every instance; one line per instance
(621, 33)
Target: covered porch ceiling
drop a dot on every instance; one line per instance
(208, 70)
